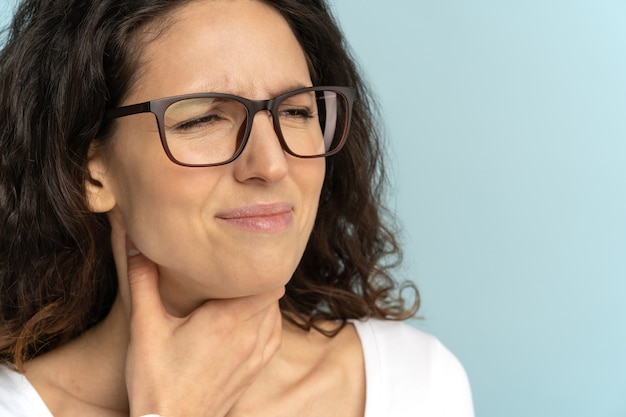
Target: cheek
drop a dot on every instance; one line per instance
(157, 200)
(136, 158)
(310, 180)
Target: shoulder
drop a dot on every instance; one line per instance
(397, 342)
(18, 398)
(412, 371)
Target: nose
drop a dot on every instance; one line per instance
(263, 158)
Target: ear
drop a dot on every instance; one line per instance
(98, 186)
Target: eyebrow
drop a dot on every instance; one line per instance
(272, 94)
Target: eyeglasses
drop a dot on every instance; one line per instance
(210, 129)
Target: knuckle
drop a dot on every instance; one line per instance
(254, 364)
(138, 273)
(247, 344)
(222, 325)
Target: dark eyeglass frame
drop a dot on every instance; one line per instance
(159, 106)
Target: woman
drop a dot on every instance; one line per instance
(189, 228)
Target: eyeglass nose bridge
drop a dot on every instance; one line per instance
(253, 107)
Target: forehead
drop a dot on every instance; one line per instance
(242, 47)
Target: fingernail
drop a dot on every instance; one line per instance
(131, 249)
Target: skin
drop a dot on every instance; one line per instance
(195, 329)
(172, 213)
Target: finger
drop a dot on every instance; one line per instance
(275, 340)
(270, 333)
(143, 282)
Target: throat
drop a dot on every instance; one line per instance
(310, 375)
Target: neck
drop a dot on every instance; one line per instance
(90, 370)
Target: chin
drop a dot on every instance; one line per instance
(258, 283)
(240, 281)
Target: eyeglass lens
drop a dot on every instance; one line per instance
(211, 130)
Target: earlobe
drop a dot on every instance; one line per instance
(100, 197)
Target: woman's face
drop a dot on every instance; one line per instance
(225, 231)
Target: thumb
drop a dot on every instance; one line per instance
(143, 282)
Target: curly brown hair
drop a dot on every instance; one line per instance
(63, 64)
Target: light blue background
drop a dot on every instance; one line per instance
(507, 129)
(507, 126)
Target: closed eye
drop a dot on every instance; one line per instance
(303, 113)
(197, 123)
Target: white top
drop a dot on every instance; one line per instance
(18, 398)
(408, 373)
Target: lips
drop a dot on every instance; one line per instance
(264, 218)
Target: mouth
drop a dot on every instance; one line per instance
(260, 218)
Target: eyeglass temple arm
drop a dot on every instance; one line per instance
(128, 110)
